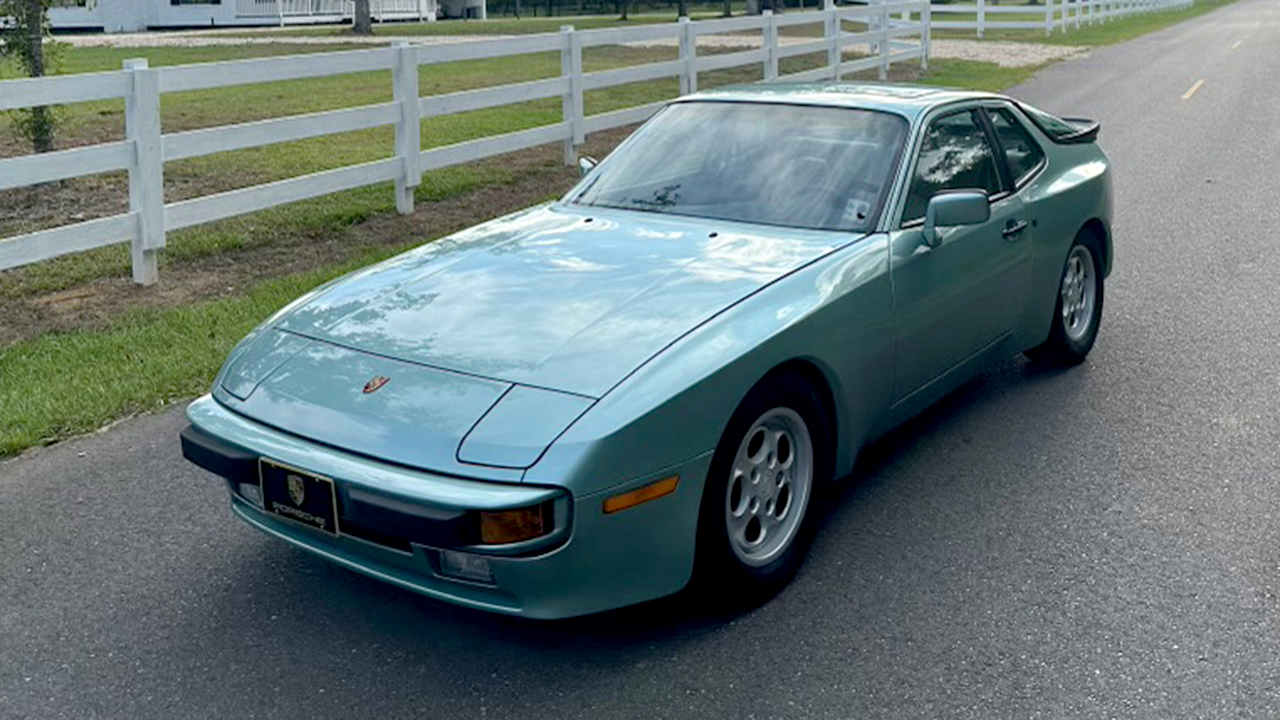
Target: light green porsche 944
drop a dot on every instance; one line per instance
(654, 380)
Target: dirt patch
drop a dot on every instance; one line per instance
(538, 174)
(28, 209)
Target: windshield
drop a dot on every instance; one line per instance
(801, 166)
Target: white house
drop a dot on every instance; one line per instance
(138, 15)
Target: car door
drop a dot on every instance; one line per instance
(961, 297)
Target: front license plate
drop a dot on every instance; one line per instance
(298, 496)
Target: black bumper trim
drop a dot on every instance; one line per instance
(367, 515)
(217, 456)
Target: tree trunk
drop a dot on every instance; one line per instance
(363, 24)
(684, 8)
(623, 4)
(41, 118)
(728, 8)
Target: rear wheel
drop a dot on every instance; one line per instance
(1078, 311)
(757, 509)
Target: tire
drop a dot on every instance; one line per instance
(757, 515)
(1080, 290)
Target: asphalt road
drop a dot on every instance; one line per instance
(1097, 542)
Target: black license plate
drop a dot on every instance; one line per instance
(299, 496)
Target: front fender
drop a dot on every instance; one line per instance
(835, 314)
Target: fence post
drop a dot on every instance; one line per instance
(688, 57)
(770, 46)
(146, 173)
(884, 21)
(571, 105)
(404, 82)
(831, 33)
(1048, 18)
(1079, 11)
(982, 17)
(926, 18)
(1066, 13)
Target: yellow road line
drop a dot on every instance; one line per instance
(1187, 95)
(1233, 47)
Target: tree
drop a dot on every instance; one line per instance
(363, 23)
(24, 25)
(684, 8)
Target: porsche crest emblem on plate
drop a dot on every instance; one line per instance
(375, 384)
(297, 489)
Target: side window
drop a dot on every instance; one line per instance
(1021, 152)
(954, 155)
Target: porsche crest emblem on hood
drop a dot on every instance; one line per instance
(376, 384)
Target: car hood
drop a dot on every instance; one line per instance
(564, 298)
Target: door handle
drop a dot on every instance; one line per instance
(1013, 228)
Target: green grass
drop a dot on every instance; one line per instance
(505, 26)
(1099, 34)
(526, 25)
(61, 384)
(67, 384)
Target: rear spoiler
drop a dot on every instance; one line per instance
(1087, 133)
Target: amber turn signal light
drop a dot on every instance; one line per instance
(652, 491)
(507, 526)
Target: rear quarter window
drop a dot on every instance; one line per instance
(1021, 153)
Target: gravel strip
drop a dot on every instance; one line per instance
(1005, 54)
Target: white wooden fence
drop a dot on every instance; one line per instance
(145, 150)
(1060, 14)
(284, 11)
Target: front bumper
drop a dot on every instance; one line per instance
(396, 520)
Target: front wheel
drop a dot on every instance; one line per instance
(757, 509)
(1078, 311)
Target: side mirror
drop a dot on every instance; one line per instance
(957, 207)
(586, 164)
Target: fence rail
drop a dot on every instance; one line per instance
(145, 149)
(1060, 14)
(378, 9)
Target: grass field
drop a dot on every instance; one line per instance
(81, 346)
(1096, 35)
(496, 26)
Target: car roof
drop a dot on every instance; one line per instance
(907, 100)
